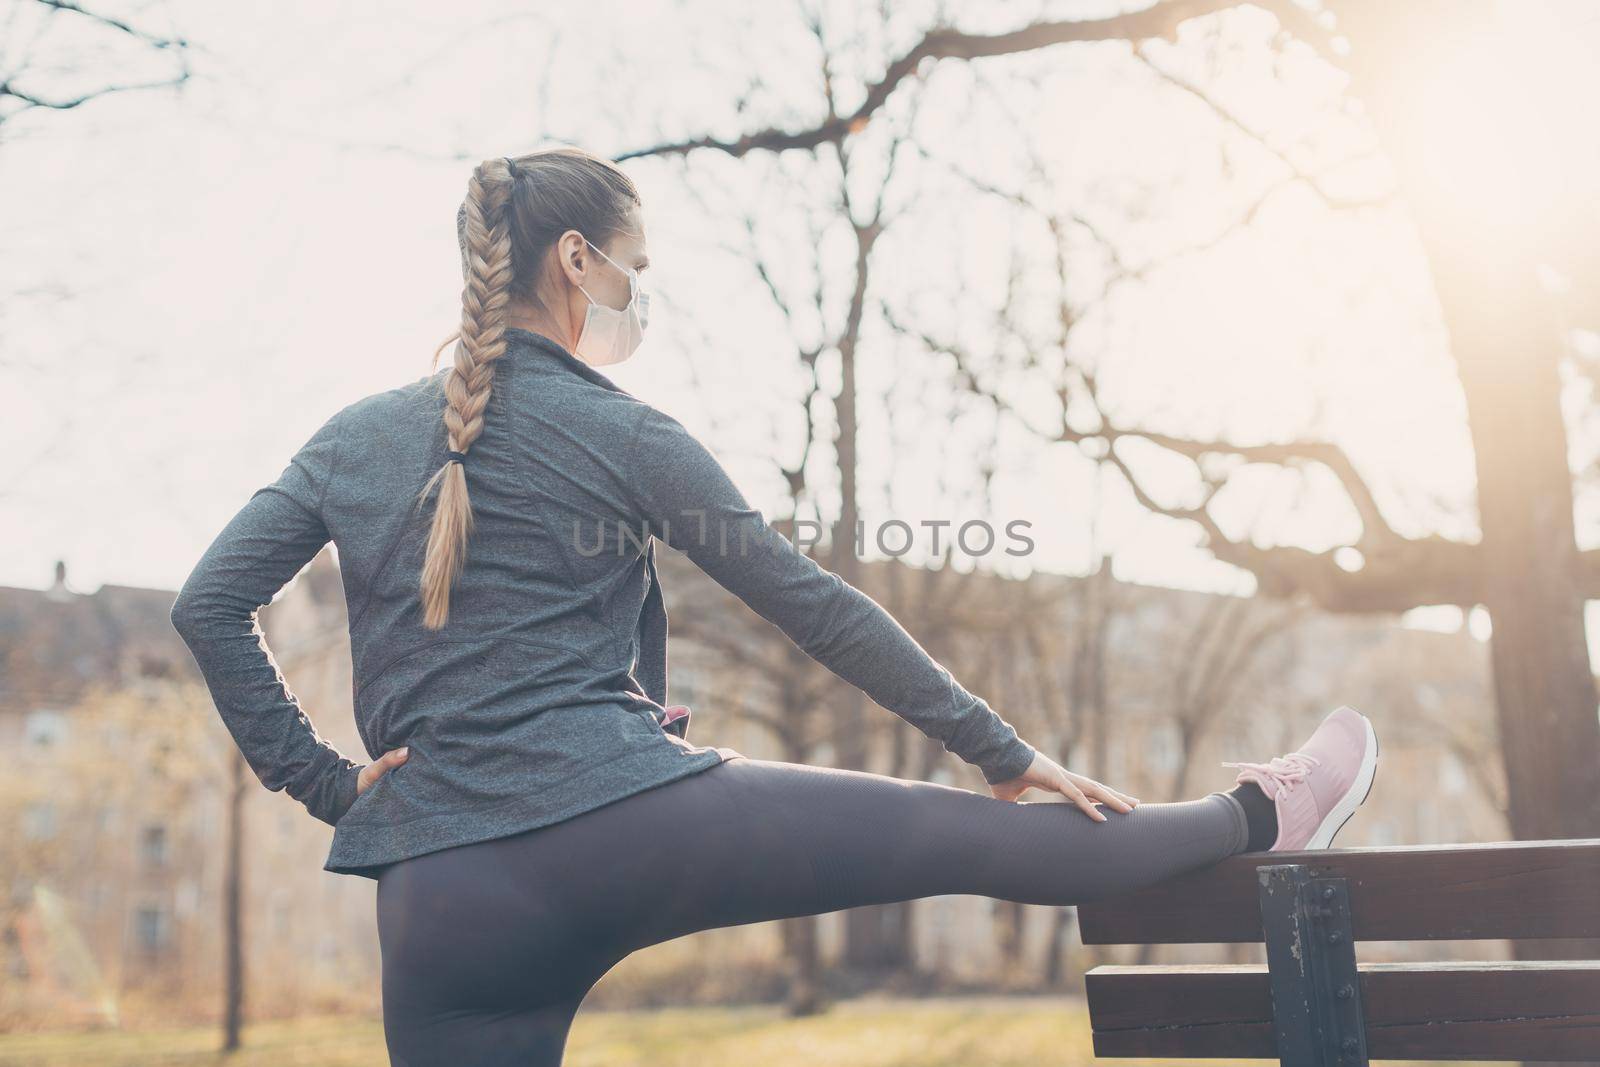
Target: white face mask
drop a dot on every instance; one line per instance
(610, 335)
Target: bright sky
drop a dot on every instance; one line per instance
(195, 281)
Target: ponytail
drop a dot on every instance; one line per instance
(482, 341)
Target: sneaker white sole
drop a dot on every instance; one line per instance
(1340, 814)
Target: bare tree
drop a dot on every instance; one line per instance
(816, 709)
(50, 42)
(1508, 341)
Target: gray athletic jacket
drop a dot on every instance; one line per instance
(545, 694)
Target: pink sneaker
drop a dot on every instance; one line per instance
(1318, 786)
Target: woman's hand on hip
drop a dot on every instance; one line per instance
(379, 767)
(1046, 773)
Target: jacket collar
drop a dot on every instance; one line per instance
(547, 349)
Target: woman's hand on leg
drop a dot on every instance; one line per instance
(1046, 773)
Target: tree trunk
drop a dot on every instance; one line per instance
(1480, 205)
(800, 944)
(233, 909)
(1056, 954)
(1484, 256)
(800, 935)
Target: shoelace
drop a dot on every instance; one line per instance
(1283, 771)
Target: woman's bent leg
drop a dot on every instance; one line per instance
(486, 956)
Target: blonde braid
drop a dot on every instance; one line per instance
(487, 247)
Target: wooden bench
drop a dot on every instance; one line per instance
(1313, 1004)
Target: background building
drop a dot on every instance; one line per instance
(117, 773)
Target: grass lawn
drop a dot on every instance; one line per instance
(956, 1032)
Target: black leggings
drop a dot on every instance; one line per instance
(489, 948)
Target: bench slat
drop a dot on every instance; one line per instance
(1521, 1010)
(1522, 889)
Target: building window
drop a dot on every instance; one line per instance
(151, 666)
(39, 821)
(46, 728)
(1116, 754)
(153, 845)
(186, 901)
(152, 928)
(16, 962)
(1427, 822)
(1163, 748)
(685, 686)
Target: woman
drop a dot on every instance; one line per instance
(534, 811)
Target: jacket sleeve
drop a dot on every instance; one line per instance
(686, 498)
(266, 544)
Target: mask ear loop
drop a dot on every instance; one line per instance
(635, 287)
(633, 275)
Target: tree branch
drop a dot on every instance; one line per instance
(945, 42)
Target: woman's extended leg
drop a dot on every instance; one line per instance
(488, 949)
(752, 840)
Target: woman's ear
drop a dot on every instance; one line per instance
(569, 254)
